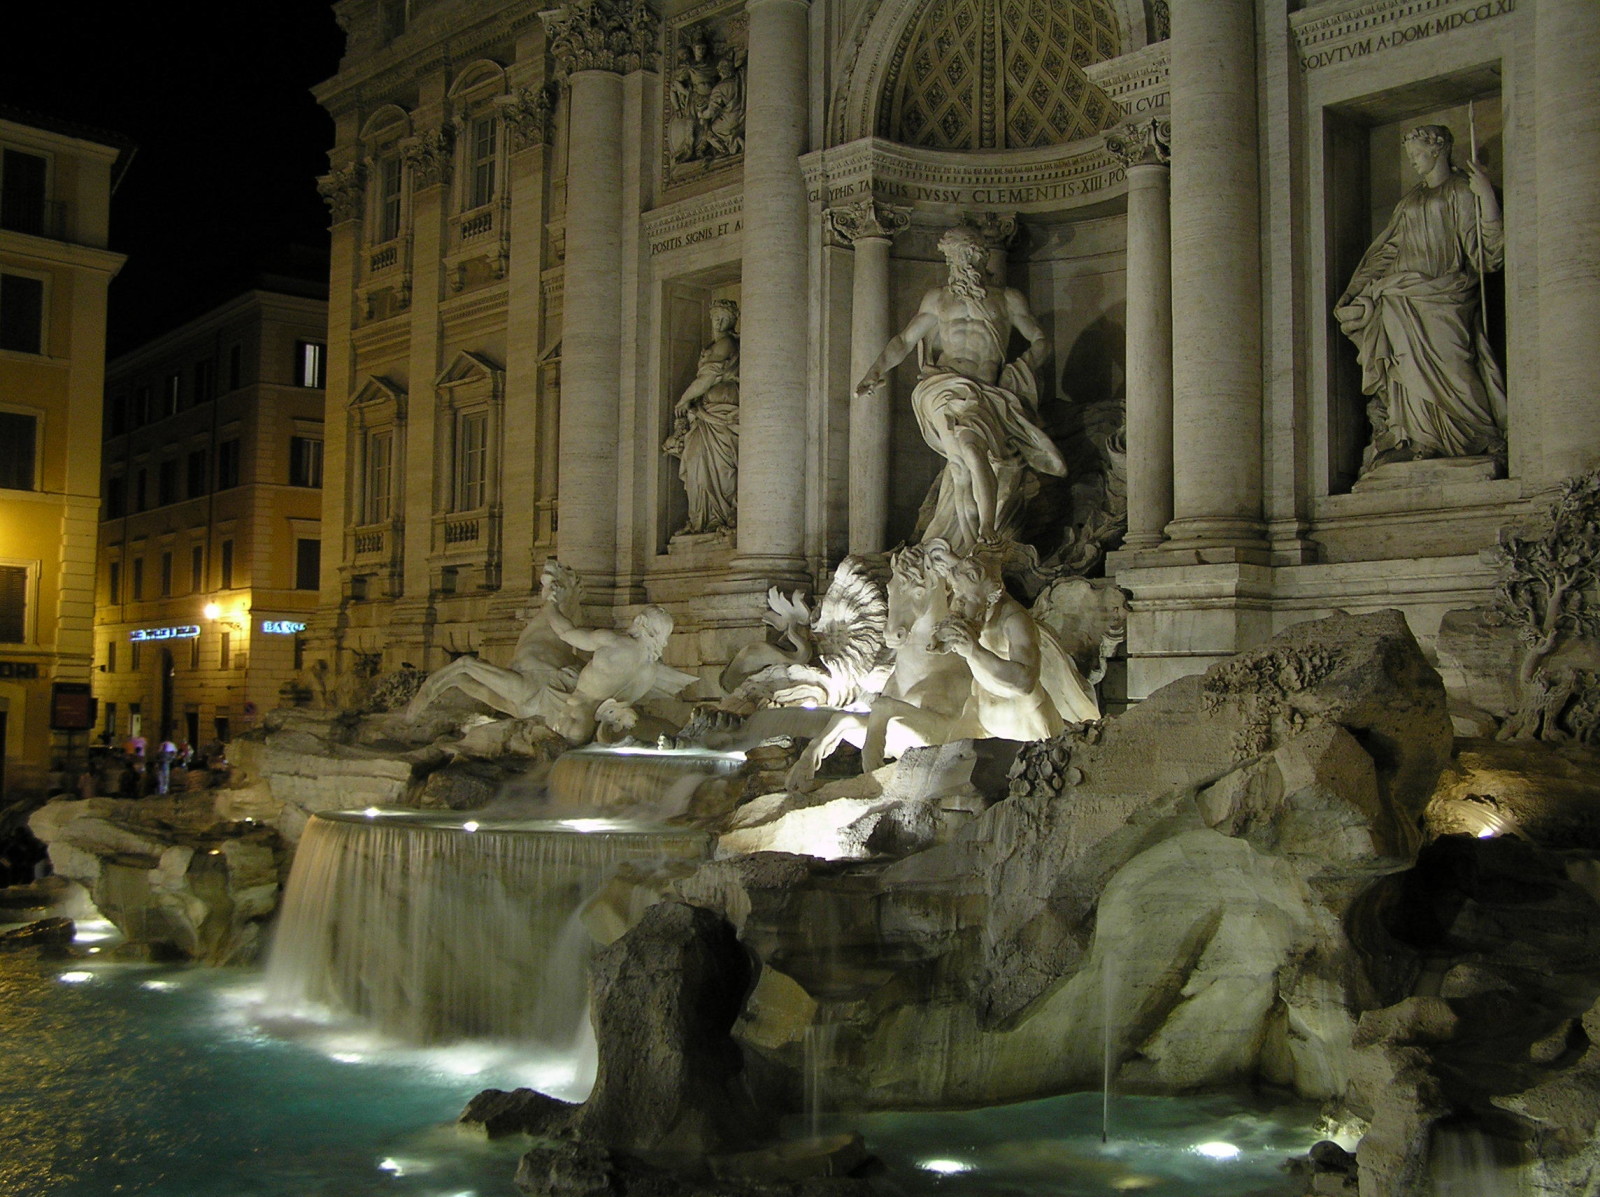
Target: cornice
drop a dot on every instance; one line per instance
(1333, 33)
(722, 204)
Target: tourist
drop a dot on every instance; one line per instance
(165, 755)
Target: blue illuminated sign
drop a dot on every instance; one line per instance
(187, 631)
(282, 627)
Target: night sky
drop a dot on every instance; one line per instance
(215, 94)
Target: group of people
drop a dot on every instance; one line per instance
(135, 771)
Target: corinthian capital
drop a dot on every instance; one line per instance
(1144, 142)
(341, 189)
(527, 115)
(603, 35)
(429, 157)
(867, 218)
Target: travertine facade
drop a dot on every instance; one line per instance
(210, 533)
(533, 214)
(55, 206)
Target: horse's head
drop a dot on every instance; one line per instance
(916, 591)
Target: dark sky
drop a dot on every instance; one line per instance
(215, 93)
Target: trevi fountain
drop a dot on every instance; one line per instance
(1026, 620)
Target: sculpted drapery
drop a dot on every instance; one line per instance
(705, 435)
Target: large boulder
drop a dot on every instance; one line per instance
(174, 878)
(1173, 882)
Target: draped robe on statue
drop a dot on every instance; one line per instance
(1001, 419)
(1423, 356)
(709, 460)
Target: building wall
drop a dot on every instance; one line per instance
(1284, 129)
(47, 526)
(243, 492)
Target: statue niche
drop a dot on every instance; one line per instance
(705, 429)
(1413, 309)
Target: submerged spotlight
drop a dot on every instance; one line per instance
(470, 825)
(371, 812)
(1217, 1151)
(75, 978)
(944, 1167)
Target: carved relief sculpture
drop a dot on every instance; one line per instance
(1413, 311)
(975, 409)
(705, 430)
(705, 101)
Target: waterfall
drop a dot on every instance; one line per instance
(658, 781)
(432, 929)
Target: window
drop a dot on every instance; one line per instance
(21, 313)
(481, 162)
(310, 363)
(13, 604)
(205, 381)
(307, 563)
(196, 472)
(225, 652)
(197, 569)
(305, 461)
(226, 581)
(171, 395)
(166, 575)
(394, 18)
(299, 652)
(228, 464)
(389, 198)
(235, 367)
(19, 438)
(194, 655)
(141, 407)
(111, 655)
(140, 479)
(167, 482)
(119, 414)
(220, 723)
(472, 459)
(138, 578)
(22, 191)
(379, 476)
(116, 497)
(114, 582)
(135, 659)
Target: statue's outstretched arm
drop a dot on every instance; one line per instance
(923, 323)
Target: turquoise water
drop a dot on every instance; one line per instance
(132, 1079)
(138, 1079)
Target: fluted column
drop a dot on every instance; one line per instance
(594, 45)
(1143, 147)
(1216, 278)
(869, 227)
(1566, 62)
(774, 313)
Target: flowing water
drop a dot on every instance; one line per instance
(433, 928)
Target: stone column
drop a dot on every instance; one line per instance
(870, 227)
(1216, 279)
(1566, 62)
(593, 46)
(773, 291)
(1143, 147)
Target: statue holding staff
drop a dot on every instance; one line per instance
(1412, 310)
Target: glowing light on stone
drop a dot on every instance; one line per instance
(94, 931)
(944, 1167)
(1217, 1151)
(75, 978)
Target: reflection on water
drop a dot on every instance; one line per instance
(144, 1080)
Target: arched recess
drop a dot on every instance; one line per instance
(388, 122)
(877, 48)
(485, 77)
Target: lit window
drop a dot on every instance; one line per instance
(472, 458)
(19, 437)
(21, 313)
(311, 363)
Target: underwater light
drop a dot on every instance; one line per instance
(1217, 1151)
(471, 825)
(391, 1165)
(1487, 833)
(94, 931)
(371, 812)
(158, 986)
(75, 978)
(944, 1167)
(347, 1057)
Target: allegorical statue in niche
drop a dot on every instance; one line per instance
(975, 409)
(705, 428)
(1412, 309)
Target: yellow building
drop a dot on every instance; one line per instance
(56, 182)
(210, 542)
